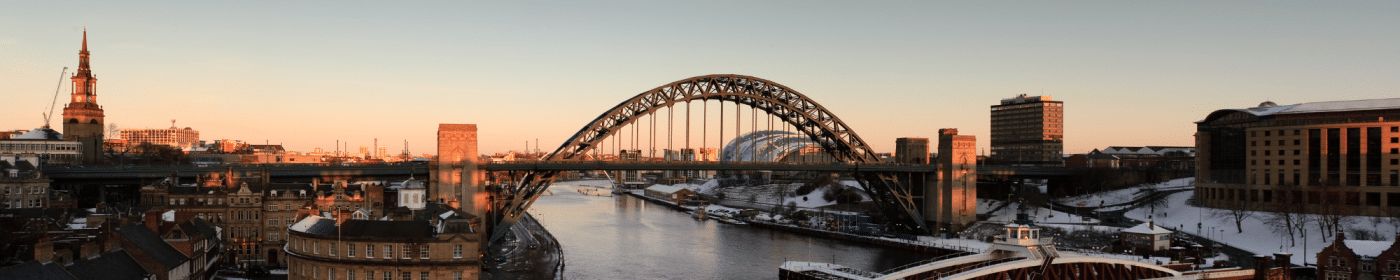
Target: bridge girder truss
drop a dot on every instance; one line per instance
(787, 105)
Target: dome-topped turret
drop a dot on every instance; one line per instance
(1267, 104)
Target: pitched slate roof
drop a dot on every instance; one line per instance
(35, 270)
(153, 245)
(116, 265)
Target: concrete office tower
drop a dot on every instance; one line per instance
(1028, 130)
(911, 150)
(957, 191)
(82, 117)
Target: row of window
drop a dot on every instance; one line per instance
(369, 274)
(28, 203)
(38, 147)
(1299, 198)
(350, 250)
(21, 190)
(1317, 179)
(1393, 161)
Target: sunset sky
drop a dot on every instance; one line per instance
(306, 74)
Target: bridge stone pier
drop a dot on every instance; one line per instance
(455, 177)
(950, 201)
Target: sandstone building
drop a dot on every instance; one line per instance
(422, 249)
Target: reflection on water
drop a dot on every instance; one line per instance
(623, 237)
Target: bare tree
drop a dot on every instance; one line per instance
(1334, 213)
(1236, 209)
(1286, 224)
(112, 131)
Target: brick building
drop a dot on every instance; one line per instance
(1318, 157)
(23, 185)
(1358, 259)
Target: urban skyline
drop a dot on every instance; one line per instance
(1135, 74)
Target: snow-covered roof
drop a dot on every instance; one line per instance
(310, 222)
(1268, 108)
(1367, 248)
(665, 188)
(40, 134)
(412, 184)
(1143, 229)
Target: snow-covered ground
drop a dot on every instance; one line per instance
(1040, 215)
(1125, 195)
(1257, 237)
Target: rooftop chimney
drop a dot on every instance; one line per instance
(153, 220)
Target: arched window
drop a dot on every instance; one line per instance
(93, 121)
(72, 120)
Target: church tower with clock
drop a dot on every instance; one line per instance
(82, 117)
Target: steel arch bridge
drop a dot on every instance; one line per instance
(787, 105)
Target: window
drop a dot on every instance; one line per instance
(456, 275)
(388, 275)
(315, 247)
(350, 250)
(423, 275)
(369, 275)
(272, 222)
(388, 251)
(406, 276)
(286, 207)
(333, 246)
(1394, 139)
(272, 208)
(369, 251)
(457, 251)
(407, 252)
(330, 273)
(272, 236)
(349, 274)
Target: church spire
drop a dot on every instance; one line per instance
(83, 69)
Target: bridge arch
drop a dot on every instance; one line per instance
(810, 118)
(786, 104)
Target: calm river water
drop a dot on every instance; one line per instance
(623, 237)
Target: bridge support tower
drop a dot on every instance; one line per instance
(455, 179)
(951, 199)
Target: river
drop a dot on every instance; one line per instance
(624, 237)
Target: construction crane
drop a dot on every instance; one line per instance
(49, 115)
